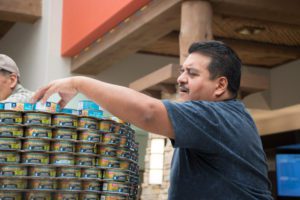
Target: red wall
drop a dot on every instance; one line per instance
(84, 21)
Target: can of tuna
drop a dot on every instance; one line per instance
(117, 128)
(62, 146)
(65, 133)
(69, 185)
(85, 148)
(16, 106)
(134, 190)
(64, 120)
(125, 165)
(63, 159)
(13, 183)
(10, 144)
(108, 162)
(90, 123)
(115, 175)
(134, 156)
(90, 135)
(105, 196)
(85, 160)
(116, 187)
(134, 179)
(42, 171)
(10, 195)
(37, 118)
(107, 151)
(35, 158)
(9, 117)
(36, 145)
(38, 132)
(13, 171)
(91, 173)
(91, 185)
(42, 184)
(38, 196)
(123, 153)
(11, 130)
(66, 196)
(9, 157)
(125, 142)
(46, 107)
(68, 172)
(110, 138)
(89, 196)
(106, 126)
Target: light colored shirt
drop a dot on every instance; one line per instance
(19, 94)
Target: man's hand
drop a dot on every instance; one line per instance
(66, 89)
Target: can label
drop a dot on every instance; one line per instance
(62, 146)
(63, 120)
(88, 123)
(116, 187)
(10, 118)
(106, 126)
(116, 175)
(9, 157)
(65, 134)
(38, 132)
(108, 162)
(11, 131)
(37, 118)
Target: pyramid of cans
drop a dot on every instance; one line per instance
(47, 153)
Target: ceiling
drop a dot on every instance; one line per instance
(264, 33)
(12, 11)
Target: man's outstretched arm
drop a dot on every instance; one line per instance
(141, 110)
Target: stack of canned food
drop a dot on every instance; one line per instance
(47, 153)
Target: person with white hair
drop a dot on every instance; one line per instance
(10, 88)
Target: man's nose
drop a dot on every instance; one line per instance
(181, 78)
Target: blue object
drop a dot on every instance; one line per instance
(88, 105)
(91, 113)
(70, 111)
(1, 106)
(288, 171)
(18, 106)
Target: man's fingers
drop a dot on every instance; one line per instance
(62, 103)
(47, 94)
(39, 94)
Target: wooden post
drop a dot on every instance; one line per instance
(196, 23)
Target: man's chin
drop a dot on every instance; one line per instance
(183, 96)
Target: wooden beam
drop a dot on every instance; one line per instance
(4, 27)
(28, 11)
(167, 75)
(251, 53)
(196, 22)
(286, 11)
(251, 80)
(277, 121)
(157, 20)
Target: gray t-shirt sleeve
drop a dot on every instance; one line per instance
(196, 125)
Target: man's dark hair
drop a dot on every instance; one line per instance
(224, 62)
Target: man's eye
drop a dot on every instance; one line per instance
(181, 71)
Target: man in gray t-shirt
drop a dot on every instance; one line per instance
(218, 153)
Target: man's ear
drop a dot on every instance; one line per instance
(222, 85)
(13, 81)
